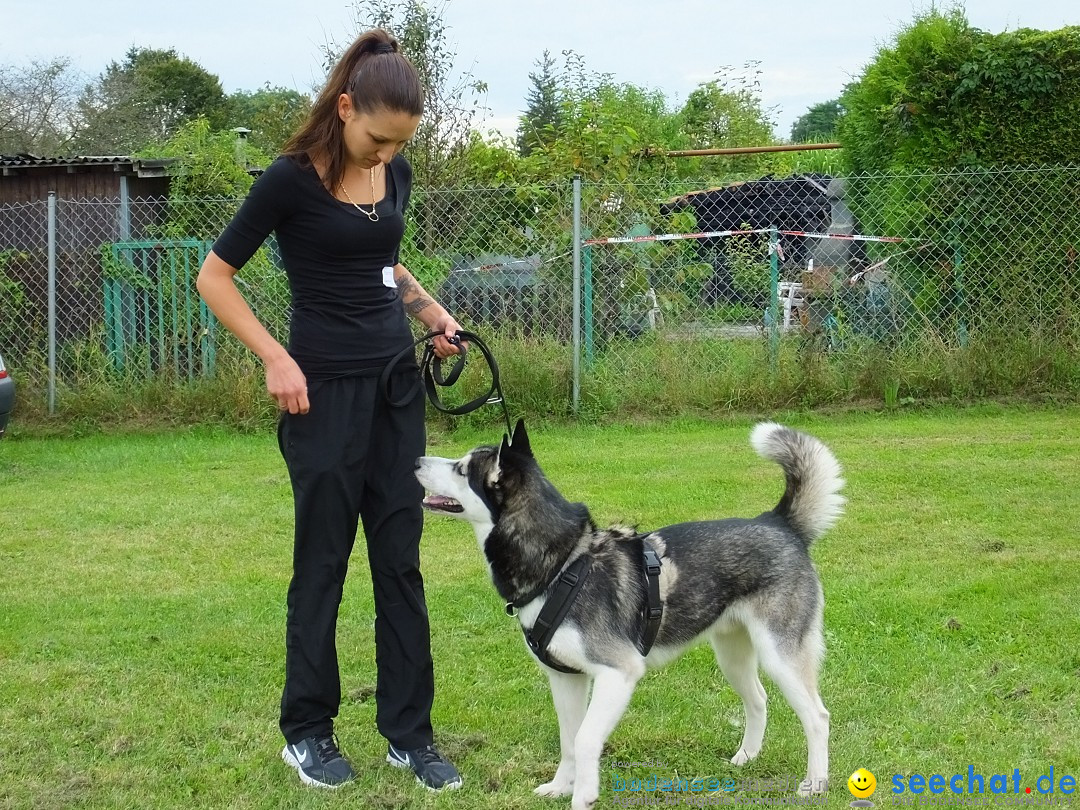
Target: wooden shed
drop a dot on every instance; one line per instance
(109, 184)
(28, 178)
(100, 200)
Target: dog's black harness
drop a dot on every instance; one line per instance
(566, 590)
(654, 608)
(555, 609)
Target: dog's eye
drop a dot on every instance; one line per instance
(458, 469)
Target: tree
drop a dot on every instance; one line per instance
(209, 165)
(35, 107)
(818, 124)
(540, 122)
(727, 112)
(272, 114)
(945, 94)
(602, 128)
(147, 98)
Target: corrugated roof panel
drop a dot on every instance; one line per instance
(35, 160)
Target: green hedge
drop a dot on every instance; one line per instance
(947, 95)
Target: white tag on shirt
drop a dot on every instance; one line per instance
(388, 277)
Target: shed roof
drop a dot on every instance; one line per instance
(140, 167)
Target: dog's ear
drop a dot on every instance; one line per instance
(520, 442)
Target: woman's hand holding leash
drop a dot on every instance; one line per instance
(447, 343)
(287, 384)
(431, 373)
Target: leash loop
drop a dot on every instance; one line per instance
(431, 375)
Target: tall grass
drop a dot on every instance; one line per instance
(657, 375)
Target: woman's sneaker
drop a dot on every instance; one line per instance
(432, 769)
(319, 762)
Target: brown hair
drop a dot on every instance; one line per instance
(377, 76)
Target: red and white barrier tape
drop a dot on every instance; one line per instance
(854, 237)
(670, 237)
(666, 237)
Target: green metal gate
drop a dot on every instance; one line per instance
(154, 317)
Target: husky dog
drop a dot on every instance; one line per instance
(747, 586)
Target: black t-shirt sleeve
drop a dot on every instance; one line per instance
(266, 205)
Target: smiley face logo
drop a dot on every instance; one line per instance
(862, 784)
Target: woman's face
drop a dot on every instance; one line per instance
(375, 137)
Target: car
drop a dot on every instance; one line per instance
(7, 396)
(498, 290)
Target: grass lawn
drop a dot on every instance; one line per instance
(143, 578)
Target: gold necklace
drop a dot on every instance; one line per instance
(372, 214)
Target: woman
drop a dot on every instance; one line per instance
(336, 199)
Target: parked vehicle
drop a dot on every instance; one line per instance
(497, 290)
(7, 396)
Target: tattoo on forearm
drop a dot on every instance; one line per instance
(413, 296)
(414, 307)
(409, 288)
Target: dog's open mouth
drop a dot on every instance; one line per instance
(441, 503)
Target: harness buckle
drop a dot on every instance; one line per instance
(652, 563)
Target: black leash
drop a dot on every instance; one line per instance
(431, 375)
(570, 581)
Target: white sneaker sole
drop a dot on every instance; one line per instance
(293, 762)
(397, 763)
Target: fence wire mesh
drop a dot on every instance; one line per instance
(882, 258)
(686, 289)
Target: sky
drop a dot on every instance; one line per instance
(807, 50)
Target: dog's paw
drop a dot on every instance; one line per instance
(583, 803)
(554, 789)
(813, 787)
(742, 757)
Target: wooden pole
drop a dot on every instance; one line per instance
(744, 150)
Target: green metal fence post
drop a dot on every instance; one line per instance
(161, 290)
(189, 314)
(174, 311)
(587, 297)
(111, 338)
(208, 324)
(961, 294)
(575, 306)
(774, 295)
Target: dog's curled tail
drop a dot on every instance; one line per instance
(812, 502)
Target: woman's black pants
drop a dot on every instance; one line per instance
(350, 458)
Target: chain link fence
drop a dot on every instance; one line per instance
(764, 292)
(774, 292)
